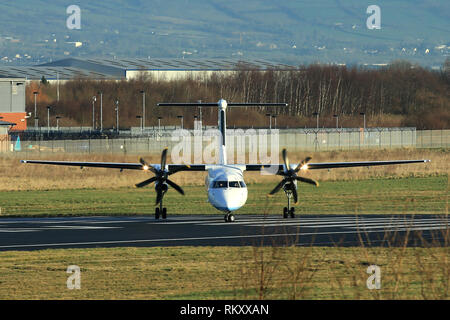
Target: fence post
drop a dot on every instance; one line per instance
(431, 138)
(401, 138)
(390, 139)
(349, 136)
(359, 139)
(339, 139)
(379, 138)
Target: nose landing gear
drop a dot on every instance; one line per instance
(229, 217)
(288, 211)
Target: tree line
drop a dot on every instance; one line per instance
(400, 94)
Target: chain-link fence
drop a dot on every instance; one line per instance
(433, 139)
(247, 139)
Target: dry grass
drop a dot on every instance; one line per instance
(16, 176)
(226, 273)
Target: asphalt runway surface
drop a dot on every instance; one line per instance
(212, 230)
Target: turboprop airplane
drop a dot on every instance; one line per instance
(225, 184)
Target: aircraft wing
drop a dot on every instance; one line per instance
(332, 165)
(118, 165)
(202, 167)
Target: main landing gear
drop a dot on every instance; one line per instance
(288, 211)
(229, 217)
(160, 211)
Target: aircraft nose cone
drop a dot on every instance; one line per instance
(228, 199)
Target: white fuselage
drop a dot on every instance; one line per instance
(226, 188)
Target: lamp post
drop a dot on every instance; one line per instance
(364, 116)
(200, 110)
(317, 119)
(101, 110)
(143, 109)
(159, 125)
(270, 120)
(274, 116)
(57, 86)
(200, 116)
(116, 102)
(337, 120)
(57, 122)
(94, 98)
(181, 117)
(35, 109)
(140, 117)
(48, 119)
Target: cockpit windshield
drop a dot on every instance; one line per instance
(228, 184)
(220, 184)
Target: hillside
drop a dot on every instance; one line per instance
(295, 32)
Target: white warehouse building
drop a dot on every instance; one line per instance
(119, 69)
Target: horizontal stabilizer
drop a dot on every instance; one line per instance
(215, 104)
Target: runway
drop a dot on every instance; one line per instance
(211, 230)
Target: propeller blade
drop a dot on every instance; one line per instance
(301, 164)
(146, 182)
(307, 180)
(294, 194)
(145, 164)
(163, 158)
(175, 186)
(278, 187)
(285, 159)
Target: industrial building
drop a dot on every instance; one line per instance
(121, 69)
(12, 102)
(5, 139)
(13, 78)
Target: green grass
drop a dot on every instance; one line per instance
(414, 195)
(226, 273)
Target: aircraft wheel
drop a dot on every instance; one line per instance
(156, 213)
(292, 212)
(164, 213)
(229, 217)
(285, 212)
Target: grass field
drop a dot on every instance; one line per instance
(414, 195)
(20, 177)
(49, 190)
(226, 273)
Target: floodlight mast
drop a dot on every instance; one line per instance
(35, 93)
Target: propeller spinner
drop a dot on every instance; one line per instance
(290, 175)
(161, 177)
